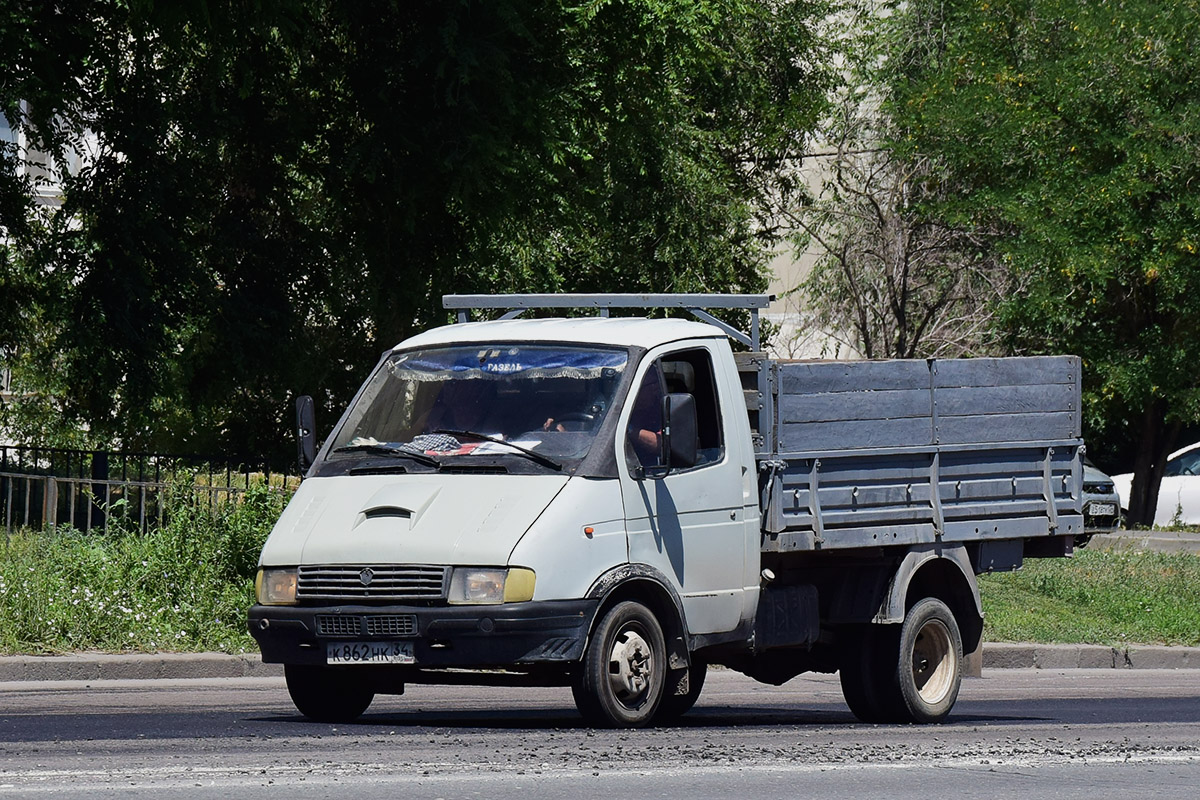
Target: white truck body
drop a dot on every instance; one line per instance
(814, 514)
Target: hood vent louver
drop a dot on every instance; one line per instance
(387, 512)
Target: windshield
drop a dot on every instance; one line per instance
(547, 400)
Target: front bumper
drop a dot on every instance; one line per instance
(508, 635)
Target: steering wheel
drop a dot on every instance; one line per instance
(587, 420)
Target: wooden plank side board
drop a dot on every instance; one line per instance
(855, 434)
(979, 400)
(863, 450)
(999, 488)
(885, 518)
(805, 541)
(993, 509)
(849, 467)
(969, 463)
(842, 406)
(996, 428)
(1007, 400)
(1027, 371)
(861, 404)
(816, 377)
(801, 520)
(864, 497)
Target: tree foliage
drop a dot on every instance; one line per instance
(279, 191)
(1078, 126)
(890, 280)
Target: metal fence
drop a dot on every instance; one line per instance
(44, 487)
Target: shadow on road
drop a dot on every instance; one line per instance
(563, 719)
(210, 724)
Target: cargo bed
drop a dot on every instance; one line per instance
(858, 454)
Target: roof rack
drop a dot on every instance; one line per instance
(517, 304)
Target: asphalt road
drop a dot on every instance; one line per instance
(1029, 733)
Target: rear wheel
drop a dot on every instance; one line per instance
(929, 672)
(620, 679)
(861, 672)
(326, 695)
(905, 673)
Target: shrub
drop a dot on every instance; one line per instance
(182, 587)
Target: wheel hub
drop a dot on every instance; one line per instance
(630, 666)
(933, 662)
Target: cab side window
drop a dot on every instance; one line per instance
(644, 431)
(687, 372)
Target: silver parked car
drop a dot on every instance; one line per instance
(1101, 504)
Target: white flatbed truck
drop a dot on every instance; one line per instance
(615, 503)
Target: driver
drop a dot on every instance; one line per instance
(643, 433)
(464, 405)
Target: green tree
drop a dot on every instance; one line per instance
(1076, 125)
(890, 279)
(280, 191)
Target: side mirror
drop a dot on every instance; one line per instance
(306, 432)
(680, 435)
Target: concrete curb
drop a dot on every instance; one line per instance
(1157, 541)
(183, 666)
(1069, 656)
(134, 666)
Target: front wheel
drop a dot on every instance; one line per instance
(620, 680)
(326, 695)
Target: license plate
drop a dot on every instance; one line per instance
(369, 653)
(1102, 509)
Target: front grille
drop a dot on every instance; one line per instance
(377, 625)
(392, 625)
(373, 583)
(338, 625)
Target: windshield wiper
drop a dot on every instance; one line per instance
(483, 437)
(388, 450)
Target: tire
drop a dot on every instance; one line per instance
(861, 672)
(326, 695)
(924, 666)
(905, 673)
(620, 680)
(676, 705)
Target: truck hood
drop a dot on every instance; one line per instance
(409, 519)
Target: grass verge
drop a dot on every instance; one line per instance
(183, 587)
(1097, 597)
(186, 588)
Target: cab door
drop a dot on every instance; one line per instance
(689, 524)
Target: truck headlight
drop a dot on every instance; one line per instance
(488, 585)
(276, 587)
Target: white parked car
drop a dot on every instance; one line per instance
(1180, 491)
